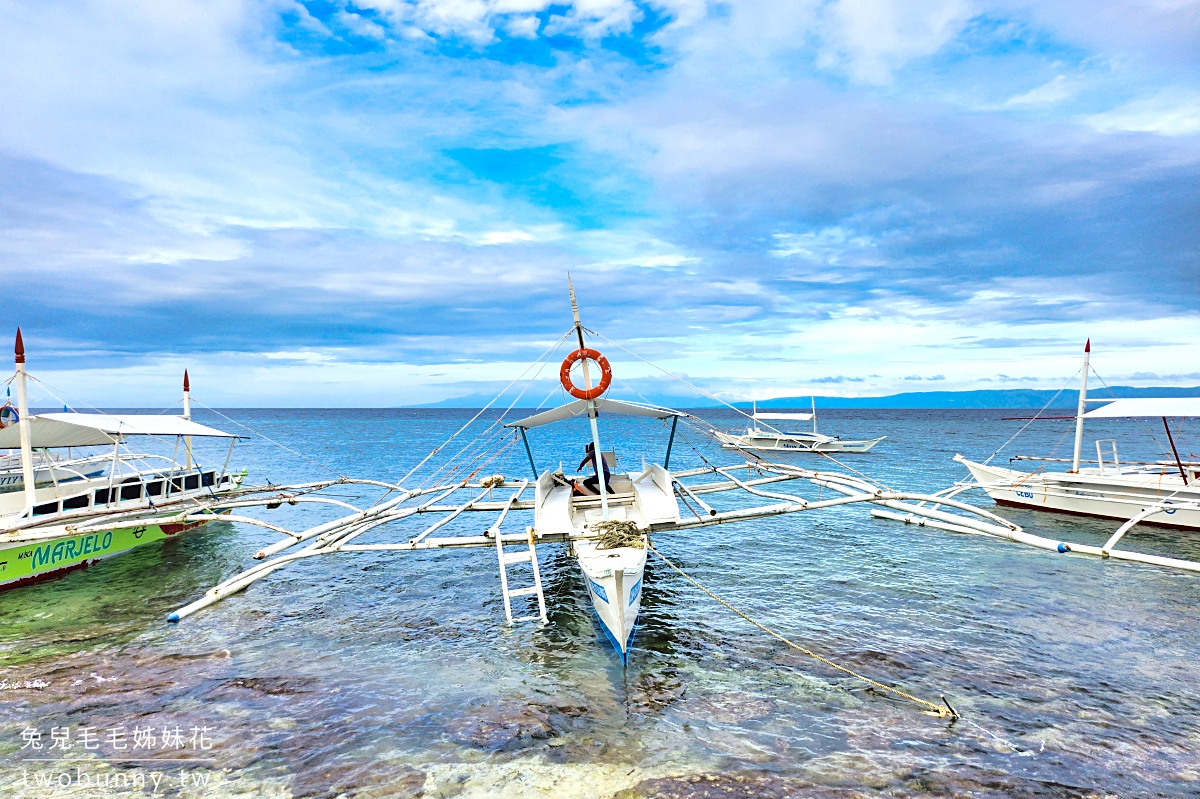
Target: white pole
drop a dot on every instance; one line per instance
(1087, 352)
(23, 424)
(591, 406)
(814, 412)
(187, 414)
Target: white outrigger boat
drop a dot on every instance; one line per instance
(1164, 493)
(606, 521)
(62, 512)
(769, 438)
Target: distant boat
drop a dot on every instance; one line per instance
(1164, 492)
(770, 438)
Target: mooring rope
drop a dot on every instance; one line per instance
(932, 708)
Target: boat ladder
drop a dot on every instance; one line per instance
(507, 560)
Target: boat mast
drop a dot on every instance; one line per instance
(23, 424)
(591, 406)
(1087, 352)
(187, 414)
(814, 412)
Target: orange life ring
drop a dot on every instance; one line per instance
(564, 374)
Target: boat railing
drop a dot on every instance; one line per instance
(1127, 463)
(1116, 461)
(145, 489)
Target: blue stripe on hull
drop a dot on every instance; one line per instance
(612, 639)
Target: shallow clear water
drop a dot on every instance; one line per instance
(377, 675)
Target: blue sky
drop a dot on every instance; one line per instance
(377, 202)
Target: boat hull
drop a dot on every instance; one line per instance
(1110, 497)
(613, 579)
(32, 561)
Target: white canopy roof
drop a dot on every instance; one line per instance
(1147, 406)
(579, 408)
(785, 417)
(97, 429)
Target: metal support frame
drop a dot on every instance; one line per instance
(528, 452)
(670, 442)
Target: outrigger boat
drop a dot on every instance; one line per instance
(65, 512)
(606, 520)
(1164, 493)
(1167, 492)
(769, 438)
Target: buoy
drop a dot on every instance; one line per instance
(564, 373)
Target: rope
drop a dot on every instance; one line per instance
(285, 447)
(458, 432)
(930, 707)
(669, 374)
(1161, 447)
(614, 534)
(1034, 417)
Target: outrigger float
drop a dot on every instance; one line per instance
(607, 520)
(61, 510)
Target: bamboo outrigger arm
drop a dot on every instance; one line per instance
(339, 535)
(930, 517)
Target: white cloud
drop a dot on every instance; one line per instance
(594, 19)
(1171, 112)
(1047, 94)
(870, 39)
(832, 245)
(478, 20)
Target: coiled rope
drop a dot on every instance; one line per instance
(614, 534)
(941, 711)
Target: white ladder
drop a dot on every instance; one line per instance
(534, 590)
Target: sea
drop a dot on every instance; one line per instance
(395, 675)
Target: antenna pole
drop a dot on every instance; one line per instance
(24, 425)
(598, 460)
(1087, 353)
(187, 414)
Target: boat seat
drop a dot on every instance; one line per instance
(594, 501)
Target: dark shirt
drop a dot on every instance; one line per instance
(590, 458)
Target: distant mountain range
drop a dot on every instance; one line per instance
(983, 398)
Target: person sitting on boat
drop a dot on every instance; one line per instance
(591, 486)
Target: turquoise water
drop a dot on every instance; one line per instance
(395, 675)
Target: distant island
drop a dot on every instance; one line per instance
(983, 398)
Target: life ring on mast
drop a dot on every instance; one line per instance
(564, 374)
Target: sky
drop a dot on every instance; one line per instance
(376, 203)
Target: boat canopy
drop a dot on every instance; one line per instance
(785, 417)
(1147, 406)
(579, 408)
(97, 429)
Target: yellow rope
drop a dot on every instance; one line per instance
(941, 712)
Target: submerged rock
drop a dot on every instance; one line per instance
(655, 691)
(356, 779)
(273, 686)
(503, 727)
(732, 786)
